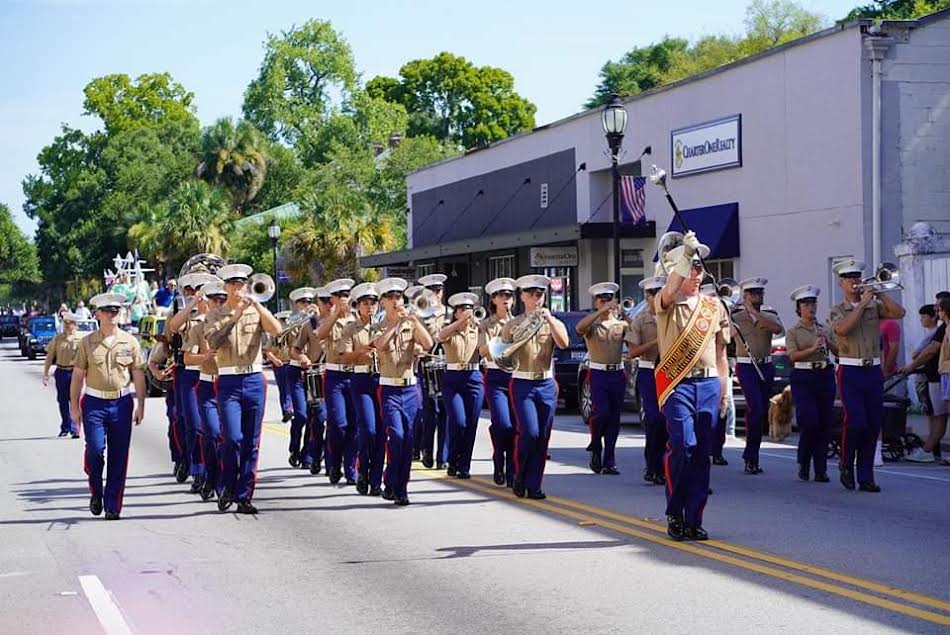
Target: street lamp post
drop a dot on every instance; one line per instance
(274, 232)
(614, 120)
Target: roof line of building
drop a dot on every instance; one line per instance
(836, 28)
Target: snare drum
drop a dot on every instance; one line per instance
(313, 384)
(433, 374)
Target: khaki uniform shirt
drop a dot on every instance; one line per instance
(196, 344)
(801, 337)
(643, 330)
(334, 344)
(356, 335)
(864, 340)
(243, 345)
(605, 341)
(62, 349)
(397, 356)
(462, 346)
(158, 355)
(671, 322)
(307, 341)
(756, 336)
(536, 355)
(109, 366)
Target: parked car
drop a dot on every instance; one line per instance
(9, 326)
(40, 330)
(86, 326)
(150, 328)
(566, 361)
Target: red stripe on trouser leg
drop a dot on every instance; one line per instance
(85, 462)
(591, 420)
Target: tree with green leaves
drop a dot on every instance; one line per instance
(302, 69)
(233, 157)
(150, 99)
(773, 22)
(18, 260)
(640, 69)
(451, 99)
(896, 9)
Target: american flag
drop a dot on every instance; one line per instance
(633, 199)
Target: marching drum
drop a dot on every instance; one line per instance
(313, 384)
(433, 374)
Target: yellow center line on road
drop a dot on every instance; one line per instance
(656, 533)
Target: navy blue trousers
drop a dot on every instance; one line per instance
(462, 395)
(757, 394)
(497, 384)
(63, 377)
(283, 381)
(435, 428)
(862, 393)
(107, 424)
(534, 403)
(606, 390)
(171, 413)
(689, 411)
(342, 440)
(189, 419)
(292, 376)
(241, 400)
(654, 425)
(371, 436)
(398, 406)
(813, 392)
(210, 434)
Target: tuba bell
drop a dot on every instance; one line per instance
(501, 352)
(261, 287)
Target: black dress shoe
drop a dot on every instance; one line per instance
(416, 454)
(427, 460)
(463, 475)
(287, 417)
(518, 488)
(388, 494)
(803, 473)
(315, 468)
(401, 501)
(611, 469)
(509, 482)
(674, 528)
(95, 505)
(709, 491)
(752, 468)
(335, 476)
(181, 472)
(847, 478)
(350, 481)
(648, 476)
(659, 479)
(294, 459)
(207, 491)
(869, 487)
(452, 471)
(362, 485)
(439, 465)
(718, 460)
(226, 499)
(695, 533)
(62, 433)
(112, 515)
(195, 486)
(596, 464)
(537, 494)
(245, 507)
(376, 490)
(822, 478)
(75, 435)
(499, 478)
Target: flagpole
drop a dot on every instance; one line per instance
(615, 176)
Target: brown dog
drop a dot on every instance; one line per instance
(780, 415)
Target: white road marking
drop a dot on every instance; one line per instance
(14, 574)
(104, 605)
(877, 469)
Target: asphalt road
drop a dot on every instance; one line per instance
(465, 556)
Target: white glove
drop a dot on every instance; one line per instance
(690, 244)
(684, 265)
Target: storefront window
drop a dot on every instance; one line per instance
(559, 296)
(631, 287)
(425, 269)
(501, 267)
(721, 268)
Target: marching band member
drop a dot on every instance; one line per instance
(757, 326)
(397, 347)
(533, 389)
(61, 351)
(307, 352)
(341, 445)
(434, 426)
(108, 362)
(692, 331)
(199, 352)
(855, 324)
(604, 333)
(463, 391)
(293, 376)
(278, 354)
(497, 381)
(813, 384)
(235, 329)
(409, 295)
(364, 388)
(642, 345)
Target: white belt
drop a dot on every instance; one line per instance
(342, 368)
(397, 381)
(811, 365)
(758, 360)
(296, 363)
(492, 365)
(363, 370)
(645, 364)
(599, 366)
(462, 367)
(108, 394)
(198, 368)
(858, 361)
(701, 373)
(206, 377)
(239, 370)
(522, 374)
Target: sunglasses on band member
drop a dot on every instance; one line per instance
(504, 294)
(534, 292)
(393, 294)
(606, 296)
(111, 310)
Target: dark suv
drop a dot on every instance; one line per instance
(40, 330)
(9, 326)
(567, 361)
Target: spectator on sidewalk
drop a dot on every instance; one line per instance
(944, 364)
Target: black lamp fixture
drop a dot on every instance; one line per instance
(273, 231)
(614, 120)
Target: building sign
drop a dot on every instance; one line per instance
(632, 258)
(714, 145)
(554, 256)
(406, 273)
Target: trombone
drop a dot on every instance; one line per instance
(886, 278)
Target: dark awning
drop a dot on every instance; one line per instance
(716, 226)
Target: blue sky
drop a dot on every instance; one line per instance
(554, 49)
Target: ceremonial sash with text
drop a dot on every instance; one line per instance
(687, 348)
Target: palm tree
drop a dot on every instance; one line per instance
(233, 156)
